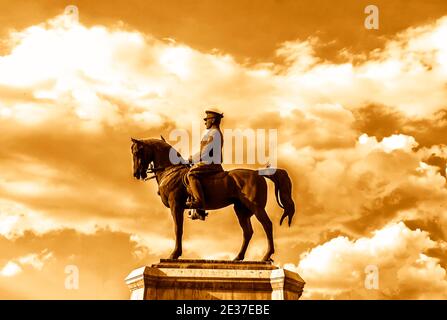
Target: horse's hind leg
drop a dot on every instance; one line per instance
(243, 215)
(264, 219)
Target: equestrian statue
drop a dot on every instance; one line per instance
(201, 184)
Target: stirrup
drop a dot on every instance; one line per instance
(195, 214)
(193, 204)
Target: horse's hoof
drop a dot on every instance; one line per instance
(174, 256)
(267, 259)
(238, 258)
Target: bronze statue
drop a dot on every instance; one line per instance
(244, 188)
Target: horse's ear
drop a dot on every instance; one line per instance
(135, 140)
(162, 138)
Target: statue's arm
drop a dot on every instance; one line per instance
(207, 147)
(203, 149)
(214, 144)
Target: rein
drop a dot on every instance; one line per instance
(153, 170)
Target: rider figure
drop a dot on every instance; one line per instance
(208, 160)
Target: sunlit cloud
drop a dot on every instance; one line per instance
(10, 269)
(337, 267)
(35, 260)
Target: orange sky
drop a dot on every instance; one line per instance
(360, 114)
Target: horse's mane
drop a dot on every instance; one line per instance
(158, 145)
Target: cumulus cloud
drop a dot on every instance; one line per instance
(382, 121)
(33, 266)
(411, 64)
(338, 268)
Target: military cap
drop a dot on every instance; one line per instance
(213, 113)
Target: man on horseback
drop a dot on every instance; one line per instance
(205, 162)
(245, 189)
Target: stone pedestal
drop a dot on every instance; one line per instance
(213, 279)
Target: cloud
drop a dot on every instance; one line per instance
(383, 121)
(336, 269)
(41, 260)
(15, 266)
(411, 64)
(10, 269)
(35, 260)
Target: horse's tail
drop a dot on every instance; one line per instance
(283, 192)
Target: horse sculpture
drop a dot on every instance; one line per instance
(244, 188)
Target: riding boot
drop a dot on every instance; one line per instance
(197, 192)
(197, 201)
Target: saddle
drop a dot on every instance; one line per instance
(205, 173)
(208, 172)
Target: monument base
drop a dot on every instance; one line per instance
(213, 279)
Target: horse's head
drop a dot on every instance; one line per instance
(142, 156)
(155, 151)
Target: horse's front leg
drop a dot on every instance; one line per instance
(177, 215)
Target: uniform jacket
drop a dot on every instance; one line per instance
(211, 147)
